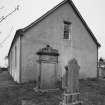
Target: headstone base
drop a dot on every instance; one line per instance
(71, 99)
(45, 90)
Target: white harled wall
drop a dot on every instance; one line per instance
(14, 61)
(50, 31)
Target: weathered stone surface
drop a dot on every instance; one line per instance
(71, 94)
(72, 76)
(48, 68)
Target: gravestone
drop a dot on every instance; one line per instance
(48, 68)
(103, 73)
(71, 94)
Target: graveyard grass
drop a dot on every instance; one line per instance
(92, 93)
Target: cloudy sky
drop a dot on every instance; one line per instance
(93, 12)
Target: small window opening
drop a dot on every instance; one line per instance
(67, 30)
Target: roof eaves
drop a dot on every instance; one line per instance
(44, 16)
(18, 32)
(53, 9)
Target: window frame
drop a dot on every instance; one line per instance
(68, 25)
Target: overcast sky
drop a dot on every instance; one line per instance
(93, 12)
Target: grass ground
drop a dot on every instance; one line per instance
(92, 93)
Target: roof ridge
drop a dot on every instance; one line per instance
(22, 30)
(43, 16)
(53, 9)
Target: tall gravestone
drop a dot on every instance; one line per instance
(71, 94)
(48, 68)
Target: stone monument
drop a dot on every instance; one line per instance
(71, 95)
(48, 68)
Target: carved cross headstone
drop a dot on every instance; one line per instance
(71, 94)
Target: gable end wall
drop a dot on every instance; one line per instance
(50, 31)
